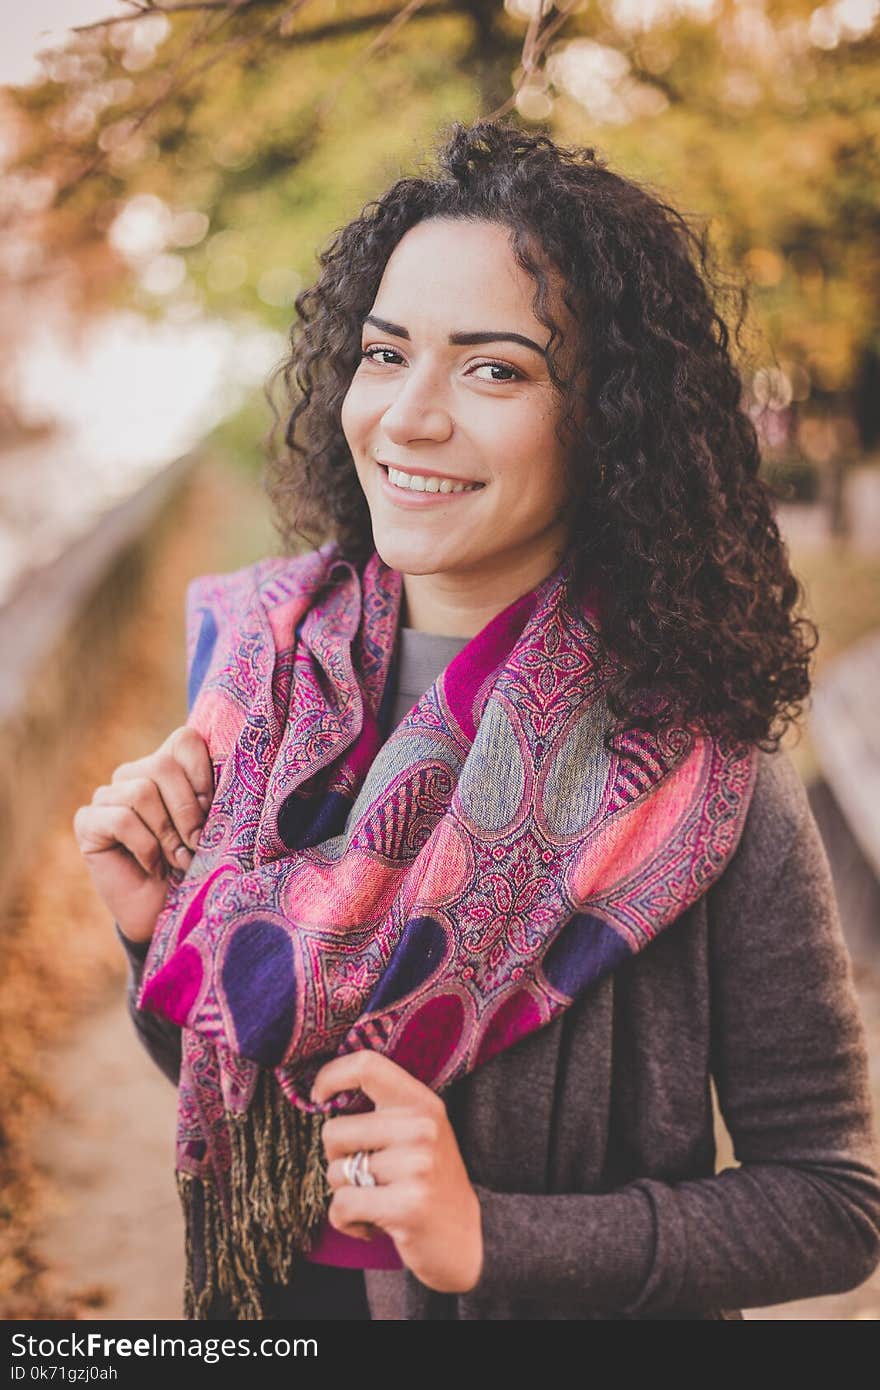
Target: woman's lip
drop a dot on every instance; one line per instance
(426, 473)
(406, 497)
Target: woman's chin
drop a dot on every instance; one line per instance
(411, 554)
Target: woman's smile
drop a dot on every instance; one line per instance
(402, 493)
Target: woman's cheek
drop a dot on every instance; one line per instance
(345, 419)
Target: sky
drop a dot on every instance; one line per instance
(29, 25)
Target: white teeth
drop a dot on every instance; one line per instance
(414, 483)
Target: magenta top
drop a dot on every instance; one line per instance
(332, 1247)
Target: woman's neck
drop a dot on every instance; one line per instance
(442, 616)
(442, 605)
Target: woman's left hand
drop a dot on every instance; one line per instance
(423, 1197)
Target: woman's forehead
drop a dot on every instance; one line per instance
(443, 268)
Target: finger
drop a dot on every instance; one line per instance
(182, 808)
(380, 1129)
(111, 828)
(384, 1081)
(145, 799)
(402, 1163)
(363, 1230)
(377, 1206)
(189, 749)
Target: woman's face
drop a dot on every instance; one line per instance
(428, 398)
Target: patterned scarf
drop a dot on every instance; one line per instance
(436, 895)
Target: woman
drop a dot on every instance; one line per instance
(503, 864)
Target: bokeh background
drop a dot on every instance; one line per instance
(170, 172)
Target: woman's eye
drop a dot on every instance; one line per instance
(370, 353)
(499, 367)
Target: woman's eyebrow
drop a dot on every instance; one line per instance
(490, 336)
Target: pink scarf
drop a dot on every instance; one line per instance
(437, 896)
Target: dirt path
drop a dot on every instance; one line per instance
(115, 1239)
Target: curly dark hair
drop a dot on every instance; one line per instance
(666, 502)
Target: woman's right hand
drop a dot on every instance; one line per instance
(139, 826)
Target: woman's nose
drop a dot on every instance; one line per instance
(417, 410)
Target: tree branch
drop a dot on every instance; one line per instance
(536, 41)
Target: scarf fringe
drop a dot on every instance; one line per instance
(278, 1199)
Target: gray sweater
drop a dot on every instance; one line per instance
(590, 1143)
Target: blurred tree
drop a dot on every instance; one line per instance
(209, 144)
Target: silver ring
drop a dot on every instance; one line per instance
(356, 1169)
(364, 1177)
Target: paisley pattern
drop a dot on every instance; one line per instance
(437, 895)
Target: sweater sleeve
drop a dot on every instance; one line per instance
(800, 1216)
(160, 1037)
